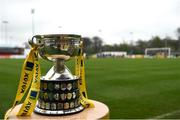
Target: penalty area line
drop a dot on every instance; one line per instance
(165, 115)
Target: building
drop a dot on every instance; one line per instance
(114, 54)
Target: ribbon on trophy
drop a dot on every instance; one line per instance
(30, 79)
(80, 72)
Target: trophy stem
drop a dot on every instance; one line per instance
(59, 65)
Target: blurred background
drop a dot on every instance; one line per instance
(140, 39)
(125, 25)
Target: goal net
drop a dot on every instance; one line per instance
(158, 52)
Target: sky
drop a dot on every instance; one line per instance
(115, 21)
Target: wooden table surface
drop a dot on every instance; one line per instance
(100, 111)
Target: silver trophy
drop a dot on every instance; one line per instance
(59, 92)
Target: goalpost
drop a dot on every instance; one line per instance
(165, 52)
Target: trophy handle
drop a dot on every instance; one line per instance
(34, 42)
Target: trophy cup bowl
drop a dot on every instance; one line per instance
(59, 93)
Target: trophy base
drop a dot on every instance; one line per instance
(100, 111)
(59, 112)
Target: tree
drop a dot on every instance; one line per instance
(178, 36)
(87, 45)
(107, 48)
(155, 42)
(97, 44)
(178, 33)
(141, 44)
(124, 47)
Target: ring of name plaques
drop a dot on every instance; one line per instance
(59, 97)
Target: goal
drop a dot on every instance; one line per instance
(158, 52)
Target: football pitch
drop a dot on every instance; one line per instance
(132, 88)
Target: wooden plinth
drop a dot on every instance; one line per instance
(100, 111)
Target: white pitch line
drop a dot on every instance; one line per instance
(165, 115)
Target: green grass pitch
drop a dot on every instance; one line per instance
(132, 88)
